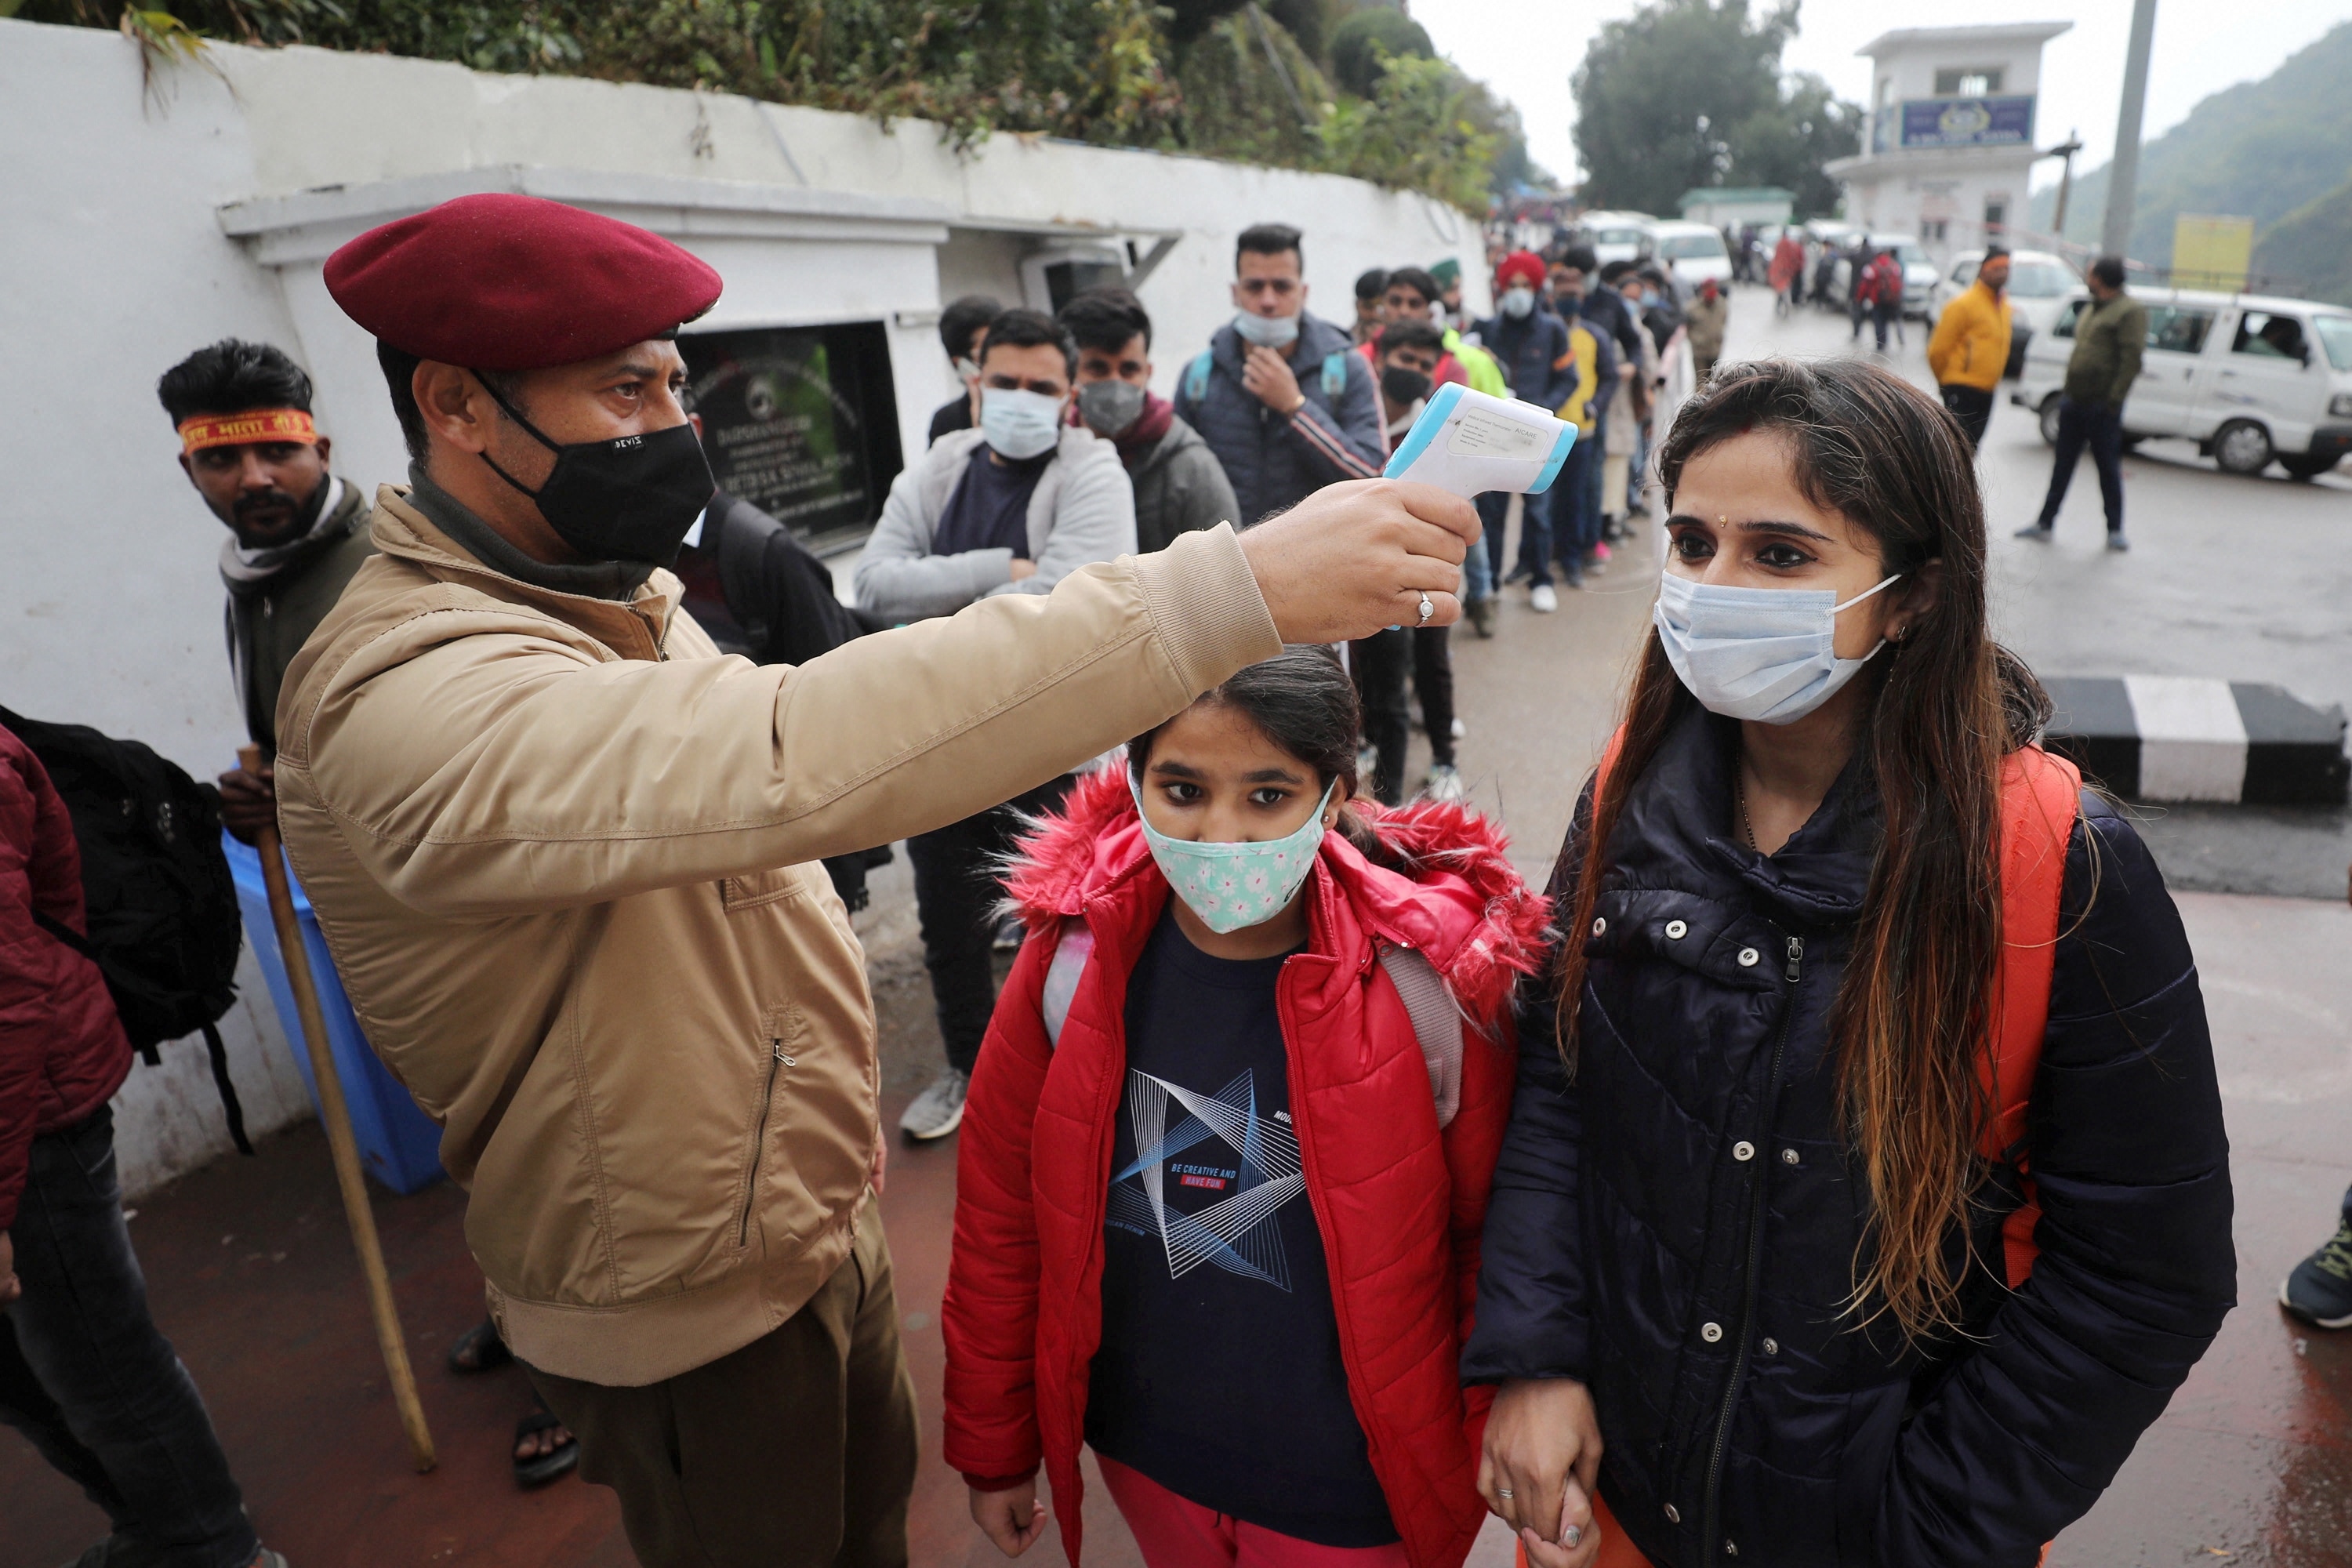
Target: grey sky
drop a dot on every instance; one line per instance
(1526, 49)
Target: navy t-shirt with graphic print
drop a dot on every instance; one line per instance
(1219, 1374)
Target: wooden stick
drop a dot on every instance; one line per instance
(332, 1112)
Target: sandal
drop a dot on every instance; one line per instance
(479, 1349)
(546, 1467)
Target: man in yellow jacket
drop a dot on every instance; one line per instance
(1969, 350)
(564, 854)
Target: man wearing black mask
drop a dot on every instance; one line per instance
(249, 448)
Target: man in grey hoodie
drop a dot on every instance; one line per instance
(1013, 507)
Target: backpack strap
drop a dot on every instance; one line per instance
(1436, 1024)
(2041, 795)
(1335, 375)
(1436, 1020)
(1196, 376)
(1070, 955)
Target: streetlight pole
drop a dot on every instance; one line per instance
(2064, 151)
(2123, 174)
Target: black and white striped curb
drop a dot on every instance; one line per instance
(2175, 737)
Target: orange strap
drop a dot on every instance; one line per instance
(2040, 797)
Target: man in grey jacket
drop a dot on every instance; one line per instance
(1179, 486)
(1011, 507)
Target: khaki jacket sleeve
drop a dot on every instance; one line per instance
(497, 772)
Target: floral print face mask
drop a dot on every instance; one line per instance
(1231, 886)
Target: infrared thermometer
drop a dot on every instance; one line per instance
(1468, 443)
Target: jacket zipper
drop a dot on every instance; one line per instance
(1711, 1510)
(777, 1061)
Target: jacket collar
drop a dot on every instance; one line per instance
(634, 627)
(1681, 823)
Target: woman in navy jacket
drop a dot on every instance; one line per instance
(1746, 1275)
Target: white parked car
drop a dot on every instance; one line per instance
(1618, 236)
(1693, 252)
(2250, 379)
(2041, 287)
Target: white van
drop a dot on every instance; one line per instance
(2250, 379)
(1618, 236)
(1693, 252)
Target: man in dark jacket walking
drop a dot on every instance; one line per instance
(2110, 335)
(297, 531)
(1531, 345)
(1179, 486)
(84, 1376)
(1281, 396)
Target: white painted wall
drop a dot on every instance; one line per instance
(138, 228)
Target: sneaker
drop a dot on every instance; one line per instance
(939, 1109)
(1459, 730)
(2118, 542)
(1444, 782)
(1600, 552)
(1482, 616)
(1573, 573)
(2319, 1291)
(2033, 531)
(1542, 599)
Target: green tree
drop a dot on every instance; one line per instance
(1690, 92)
(1360, 43)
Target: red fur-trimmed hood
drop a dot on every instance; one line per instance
(1452, 892)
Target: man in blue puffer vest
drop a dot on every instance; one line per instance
(1281, 396)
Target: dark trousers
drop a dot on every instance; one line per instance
(1882, 315)
(1378, 664)
(1432, 682)
(1972, 406)
(1495, 517)
(2099, 426)
(88, 1380)
(956, 895)
(797, 1451)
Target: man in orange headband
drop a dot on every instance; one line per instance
(247, 443)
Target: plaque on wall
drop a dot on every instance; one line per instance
(802, 422)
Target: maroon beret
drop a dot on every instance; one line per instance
(500, 281)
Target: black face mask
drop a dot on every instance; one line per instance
(1402, 387)
(626, 500)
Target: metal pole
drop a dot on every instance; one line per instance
(2065, 182)
(2123, 173)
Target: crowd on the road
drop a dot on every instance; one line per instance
(1336, 1187)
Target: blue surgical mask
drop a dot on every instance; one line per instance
(1266, 331)
(1018, 423)
(1231, 886)
(1766, 653)
(1519, 301)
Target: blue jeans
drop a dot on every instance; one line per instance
(1477, 576)
(88, 1380)
(2100, 427)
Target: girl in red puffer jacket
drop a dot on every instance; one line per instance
(1226, 1153)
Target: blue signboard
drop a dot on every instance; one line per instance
(1968, 121)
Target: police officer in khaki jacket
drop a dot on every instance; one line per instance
(565, 852)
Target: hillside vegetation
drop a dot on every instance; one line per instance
(1297, 83)
(2278, 150)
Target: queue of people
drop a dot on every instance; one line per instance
(1332, 1184)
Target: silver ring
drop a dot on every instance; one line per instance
(1427, 608)
(1572, 1537)
(1502, 1491)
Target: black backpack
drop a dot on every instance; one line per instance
(161, 905)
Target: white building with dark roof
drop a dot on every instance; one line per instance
(1951, 136)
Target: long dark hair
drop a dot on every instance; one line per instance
(1911, 1015)
(1304, 702)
